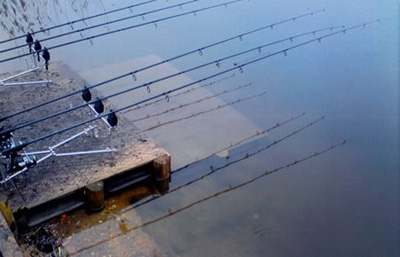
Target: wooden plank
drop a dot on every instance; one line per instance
(162, 167)
(94, 196)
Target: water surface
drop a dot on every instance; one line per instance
(344, 203)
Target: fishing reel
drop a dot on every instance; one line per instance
(12, 162)
(26, 161)
(6, 140)
(16, 161)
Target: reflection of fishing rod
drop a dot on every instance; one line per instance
(204, 112)
(248, 155)
(134, 73)
(129, 27)
(232, 145)
(103, 24)
(181, 93)
(166, 93)
(149, 116)
(219, 193)
(148, 84)
(70, 23)
(279, 124)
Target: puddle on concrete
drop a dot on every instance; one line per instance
(73, 230)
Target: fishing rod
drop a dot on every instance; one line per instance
(70, 23)
(103, 24)
(149, 116)
(133, 73)
(148, 84)
(209, 197)
(127, 28)
(166, 93)
(205, 111)
(181, 93)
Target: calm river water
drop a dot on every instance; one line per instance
(342, 203)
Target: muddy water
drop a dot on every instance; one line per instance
(343, 203)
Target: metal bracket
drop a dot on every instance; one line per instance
(35, 68)
(51, 152)
(107, 150)
(110, 128)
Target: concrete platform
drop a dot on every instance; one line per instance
(56, 185)
(8, 245)
(189, 141)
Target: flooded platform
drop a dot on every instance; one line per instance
(59, 184)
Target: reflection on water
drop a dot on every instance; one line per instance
(20, 16)
(329, 206)
(123, 205)
(56, 233)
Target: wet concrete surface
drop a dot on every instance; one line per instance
(8, 244)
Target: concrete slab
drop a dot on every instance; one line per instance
(8, 245)
(59, 176)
